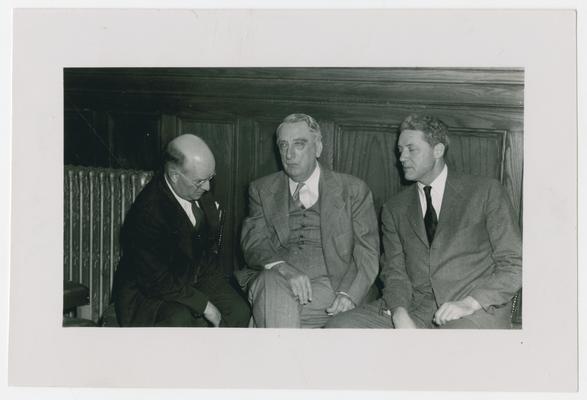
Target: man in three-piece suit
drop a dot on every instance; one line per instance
(311, 232)
(168, 274)
(452, 252)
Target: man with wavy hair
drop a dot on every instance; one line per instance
(312, 234)
(452, 252)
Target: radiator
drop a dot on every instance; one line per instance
(95, 203)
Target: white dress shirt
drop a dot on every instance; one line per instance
(437, 192)
(185, 204)
(309, 193)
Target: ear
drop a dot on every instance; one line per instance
(318, 148)
(439, 150)
(172, 175)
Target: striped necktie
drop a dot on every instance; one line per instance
(296, 196)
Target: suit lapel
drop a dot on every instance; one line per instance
(179, 217)
(450, 210)
(209, 207)
(178, 220)
(414, 214)
(275, 199)
(331, 204)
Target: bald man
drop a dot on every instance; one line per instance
(168, 275)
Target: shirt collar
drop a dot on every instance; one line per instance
(439, 182)
(183, 202)
(311, 183)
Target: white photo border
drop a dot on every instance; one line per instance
(540, 357)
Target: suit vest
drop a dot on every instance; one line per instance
(305, 240)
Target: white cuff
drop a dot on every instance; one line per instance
(273, 264)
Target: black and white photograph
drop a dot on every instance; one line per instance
(379, 200)
(293, 197)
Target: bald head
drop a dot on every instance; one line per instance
(189, 165)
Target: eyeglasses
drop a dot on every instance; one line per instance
(199, 183)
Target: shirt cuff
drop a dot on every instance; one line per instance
(273, 264)
(346, 295)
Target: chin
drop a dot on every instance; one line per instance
(409, 177)
(291, 173)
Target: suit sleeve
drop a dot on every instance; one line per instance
(149, 247)
(506, 244)
(366, 245)
(397, 290)
(256, 242)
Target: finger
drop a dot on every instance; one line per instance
(347, 305)
(296, 290)
(439, 316)
(455, 313)
(443, 317)
(303, 291)
(333, 307)
(436, 318)
(343, 304)
(308, 288)
(445, 310)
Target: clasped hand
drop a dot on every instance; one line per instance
(340, 304)
(212, 314)
(452, 310)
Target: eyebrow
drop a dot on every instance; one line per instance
(295, 139)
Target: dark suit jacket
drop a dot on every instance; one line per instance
(348, 225)
(161, 255)
(476, 251)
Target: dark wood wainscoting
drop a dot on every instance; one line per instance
(122, 118)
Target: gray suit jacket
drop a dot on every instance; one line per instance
(476, 251)
(348, 225)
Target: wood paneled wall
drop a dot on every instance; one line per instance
(122, 118)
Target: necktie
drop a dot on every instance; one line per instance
(198, 213)
(430, 218)
(296, 196)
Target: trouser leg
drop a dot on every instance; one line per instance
(480, 319)
(273, 301)
(313, 314)
(233, 307)
(172, 314)
(275, 306)
(369, 315)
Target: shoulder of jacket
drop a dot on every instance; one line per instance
(267, 179)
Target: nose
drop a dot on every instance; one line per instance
(290, 153)
(403, 155)
(206, 186)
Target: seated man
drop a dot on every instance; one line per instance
(168, 274)
(312, 232)
(452, 250)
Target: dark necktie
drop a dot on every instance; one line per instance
(296, 196)
(198, 213)
(430, 218)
